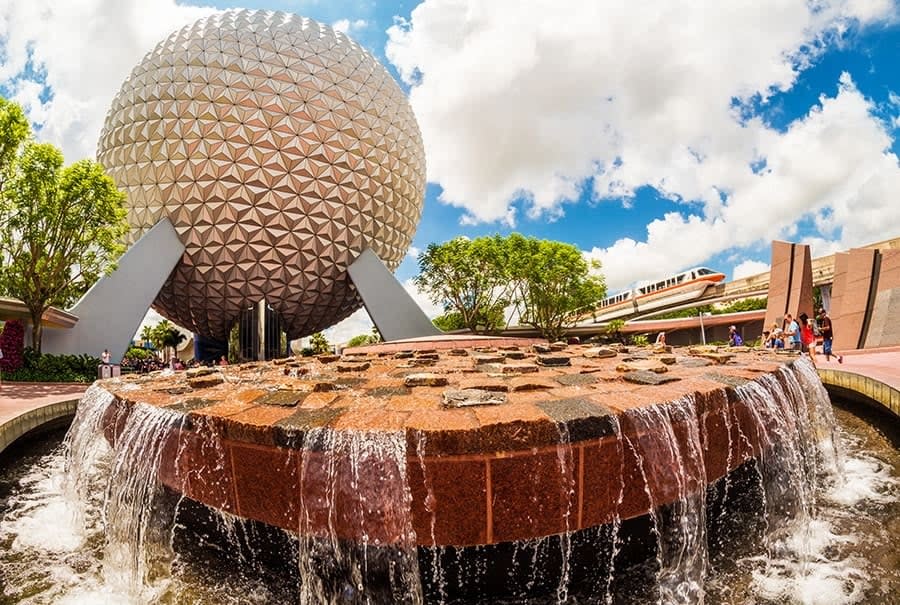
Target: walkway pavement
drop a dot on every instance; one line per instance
(881, 364)
(17, 398)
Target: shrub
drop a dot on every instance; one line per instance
(360, 340)
(138, 354)
(37, 367)
(12, 343)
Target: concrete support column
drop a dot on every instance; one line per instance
(261, 330)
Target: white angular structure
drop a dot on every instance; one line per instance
(279, 149)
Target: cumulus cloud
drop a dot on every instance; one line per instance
(525, 106)
(64, 61)
(749, 268)
(346, 25)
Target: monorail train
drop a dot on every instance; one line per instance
(680, 288)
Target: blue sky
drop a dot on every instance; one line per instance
(654, 137)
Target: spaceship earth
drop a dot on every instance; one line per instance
(279, 149)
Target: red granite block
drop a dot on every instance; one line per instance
(246, 396)
(413, 403)
(371, 420)
(199, 465)
(601, 486)
(747, 430)
(319, 399)
(266, 482)
(443, 432)
(663, 458)
(534, 494)
(715, 418)
(254, 424)
(449, 500)
(222, 409)
(112, 423)
(356, 490)
(515, 426)
(779, 276)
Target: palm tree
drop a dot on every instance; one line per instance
(165, 335)
(147, 335)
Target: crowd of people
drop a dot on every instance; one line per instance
(152, 364)
(803, 334)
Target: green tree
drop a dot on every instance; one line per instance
(14, 131)
(553, 282)
(449, 321)
(165, 337)
(60, 227)
(468, 277)
(614, 328)
(747, 304)
(360, 340)
(319, 344)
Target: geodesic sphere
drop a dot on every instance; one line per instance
(279, 149)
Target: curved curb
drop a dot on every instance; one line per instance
(862, 388)
(35, 418)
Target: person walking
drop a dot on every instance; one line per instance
(826, 328)
(807, 337)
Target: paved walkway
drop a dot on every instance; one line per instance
(16, 398)
(25, 407)
(881, 364)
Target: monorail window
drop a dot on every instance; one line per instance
(704, 271)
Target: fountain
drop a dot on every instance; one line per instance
(385, 484)
(434, 470)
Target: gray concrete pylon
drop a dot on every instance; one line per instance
(112, 310)
(392, 309)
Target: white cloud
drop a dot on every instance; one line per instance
(346, 25)
(536, 101)
(749, 268)
(414, 252)
(82, 50)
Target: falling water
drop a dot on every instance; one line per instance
(94, 525)
(681, 529)
(356, 482)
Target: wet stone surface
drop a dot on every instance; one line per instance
(646, 377)
(599, 353)
(460, 398)
(732, 381)
(643, 365)
(553, 360)
(282, 398)
(457, 404)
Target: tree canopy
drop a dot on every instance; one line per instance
(553, 281)
(477, 281)
(319, 343)
(60, 226)
(469, 277)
